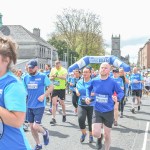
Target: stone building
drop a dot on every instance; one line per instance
(115, 49)
(31, 45)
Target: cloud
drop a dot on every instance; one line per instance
(135, 41)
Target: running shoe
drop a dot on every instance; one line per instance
(99, 143)
(121, 116)
(25, 127)
(82, 138)
(115, 123)
(64, 118)
(46, 138)
(50, 110)
(53, 121)
(38, 147)
(138, 108)
(133, 110)
(90, 139)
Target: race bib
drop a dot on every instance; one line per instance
(102, 98)
(56, 83)
(33, 86)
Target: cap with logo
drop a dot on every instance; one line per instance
(32, 63)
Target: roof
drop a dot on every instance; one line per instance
(22, 35)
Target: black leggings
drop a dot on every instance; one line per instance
(74, 99)
(121, 105)
(83, 112)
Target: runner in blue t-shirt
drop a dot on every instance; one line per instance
(73, 83)
(69, 78)
(47, 72)
(120, 82)
(85, 108)
(12, 101)
(36, 83)
(136, 81)
(103, 88)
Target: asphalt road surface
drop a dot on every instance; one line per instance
(132, 132)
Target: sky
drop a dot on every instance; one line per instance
(129, 18)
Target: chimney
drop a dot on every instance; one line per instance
(36, 32)
(1, 20)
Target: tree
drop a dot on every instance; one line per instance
(63, 48)
(81, 30)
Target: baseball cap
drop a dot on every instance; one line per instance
(32, 63)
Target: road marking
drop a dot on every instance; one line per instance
(145, 136)
(68, 105)
(135, 136)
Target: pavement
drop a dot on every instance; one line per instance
(132, 132)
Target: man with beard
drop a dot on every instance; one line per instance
(36, 83)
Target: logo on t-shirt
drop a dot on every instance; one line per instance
(101, 98)
(38, 79)
(33, 86)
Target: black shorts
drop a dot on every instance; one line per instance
(147, 88)
(137, 93)
(107, 118)
(60, 93)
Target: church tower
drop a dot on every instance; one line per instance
(115, 46)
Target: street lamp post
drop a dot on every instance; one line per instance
(75, 58)
(71, 59)
(65, 60)
(51, 58)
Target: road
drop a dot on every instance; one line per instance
(132, 132)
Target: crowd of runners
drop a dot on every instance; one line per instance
(98, 95)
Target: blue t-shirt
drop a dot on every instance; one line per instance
(104, 89)
(127, 84)
(68, 81)
(119, 81)
(82, 86)
(133, 78)
(13, 98)
(74, 82)
(111, 74)
(36, 85)
(47, 72)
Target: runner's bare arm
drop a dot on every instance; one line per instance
(12, 118)
(47, 92)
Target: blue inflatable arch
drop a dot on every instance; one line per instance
(113, 60)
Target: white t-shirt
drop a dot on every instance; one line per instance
(147, 81)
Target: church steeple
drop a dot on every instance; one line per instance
(1, 19)
(115, 40)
